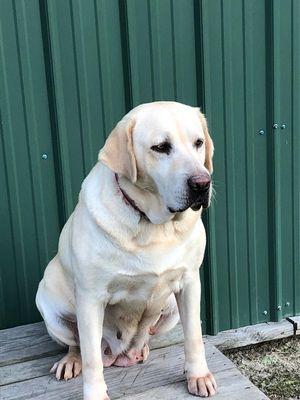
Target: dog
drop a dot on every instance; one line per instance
(128, 257)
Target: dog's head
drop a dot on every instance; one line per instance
(164, 147)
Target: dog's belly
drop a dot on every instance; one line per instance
(136, 304)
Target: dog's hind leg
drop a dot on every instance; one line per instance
(169, 317)
(55, 301)
(139, 349)
(107, 357)
(63, 329)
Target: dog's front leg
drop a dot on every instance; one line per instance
(200, 381)
(90, 314)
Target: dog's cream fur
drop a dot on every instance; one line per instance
(116, 276)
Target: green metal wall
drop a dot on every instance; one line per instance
(69, 70)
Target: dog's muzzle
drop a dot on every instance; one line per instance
(198, 193)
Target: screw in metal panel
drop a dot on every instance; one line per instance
(278, 308)
(261, 132)
(265, 312)
(283, 126)
(275, 126)
(44, 156)
(287, 304)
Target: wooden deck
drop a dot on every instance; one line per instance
(27, 354)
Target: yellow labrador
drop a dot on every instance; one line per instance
(131, 250)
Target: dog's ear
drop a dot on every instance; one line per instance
(209, 145)
(118, 153)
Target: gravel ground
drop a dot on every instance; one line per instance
(274, 367)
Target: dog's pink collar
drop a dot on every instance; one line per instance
(128, 200)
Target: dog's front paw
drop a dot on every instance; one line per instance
(203, 386)
(68, 367)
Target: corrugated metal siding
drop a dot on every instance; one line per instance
(161, 51)
(251, 58)
(88, 81)
(295, 129)
(70, 74)
(29, 215)
(286, 39)
(236, 103)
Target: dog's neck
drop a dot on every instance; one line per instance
(150, 205)
(129, 200)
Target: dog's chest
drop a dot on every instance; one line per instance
(145, 287)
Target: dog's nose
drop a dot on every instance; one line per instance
(199, 182)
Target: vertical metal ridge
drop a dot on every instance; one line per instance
(151, 49)
(17, 298)
(293, 172)
(78, 100)
(284, 98)
(61, 113)
(100, 67)
(14, 200)
(154, 47)
(34, 144)
(276, 185)
(250, 184)
(269, 43)
(52, 106)
(230, 192)
(199, 54)
(204, 99)
(21, 227)
(123, 13)
(225, 148)
(83, 94)
(173, 50)
(295, 64)
(30, 112)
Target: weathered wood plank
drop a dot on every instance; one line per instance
(231, 387)
(23, 331)
(251, 334)
(29, 369)
(120, 381)
(32, 341)
(26, 342)
(23, 371)
(14, 373)
(164, 366)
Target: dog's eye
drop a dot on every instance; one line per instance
(164, 147)
(198, 143)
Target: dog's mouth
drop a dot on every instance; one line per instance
(195, 206)
(173, 210)
(194, 201)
